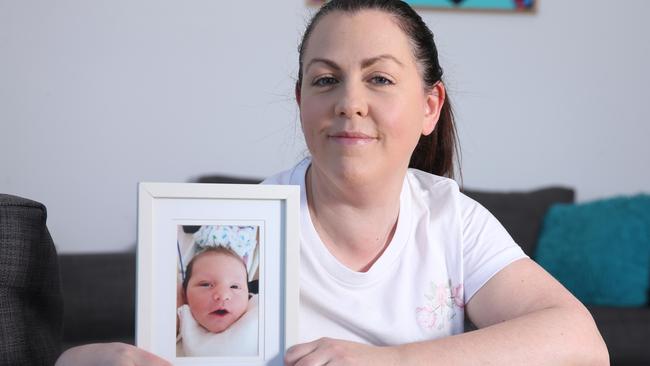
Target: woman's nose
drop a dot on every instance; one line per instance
(352, 102)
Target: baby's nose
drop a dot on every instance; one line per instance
(221, 295)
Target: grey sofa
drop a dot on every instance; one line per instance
(30, 297)
(626, 330)
(98, 290)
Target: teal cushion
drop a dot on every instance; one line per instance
(600, 250)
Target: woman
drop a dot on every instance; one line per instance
(393, 258)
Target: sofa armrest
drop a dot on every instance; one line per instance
(30, 297)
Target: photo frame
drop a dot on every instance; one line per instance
(217, 272)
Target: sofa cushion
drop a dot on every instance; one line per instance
(99, 297)
(600, 250)
(626, 332)
(30, 298)
(522, 213)
(218, 178)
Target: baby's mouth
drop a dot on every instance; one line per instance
(220, 312)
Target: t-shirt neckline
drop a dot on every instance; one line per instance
(328, 261)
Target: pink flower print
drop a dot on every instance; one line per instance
(441, 294)
(457, 295)
(442, 302)
(426, 316)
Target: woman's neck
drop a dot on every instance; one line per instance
(355, 220)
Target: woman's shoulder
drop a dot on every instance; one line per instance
(437, 190)
(422, 182)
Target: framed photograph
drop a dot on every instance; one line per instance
(491, 5)
(217, 272)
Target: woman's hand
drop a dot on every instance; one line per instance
(334, 352)
(109, 354)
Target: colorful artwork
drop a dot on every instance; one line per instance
(510, 5)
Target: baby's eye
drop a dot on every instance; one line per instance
(325, 81)
(380, 80)
(235, 287)
(205, 284)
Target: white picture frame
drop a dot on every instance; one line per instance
(271, 212)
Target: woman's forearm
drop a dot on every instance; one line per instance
(109, 354)
(553, 336)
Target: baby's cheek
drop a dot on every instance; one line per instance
(242, 309)
(197, 304)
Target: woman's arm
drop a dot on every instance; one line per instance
(109, 354)
(526, 318)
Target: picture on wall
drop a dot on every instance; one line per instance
(498, 5)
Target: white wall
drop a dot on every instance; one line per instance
(98, 95)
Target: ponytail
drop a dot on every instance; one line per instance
(437, 153)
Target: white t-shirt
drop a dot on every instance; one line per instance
(445, 248)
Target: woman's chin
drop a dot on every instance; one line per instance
(348, 170)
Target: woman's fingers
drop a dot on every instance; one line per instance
(299, 351)
(142, 358)
(336, 352)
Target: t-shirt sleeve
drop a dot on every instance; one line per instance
(487, 246)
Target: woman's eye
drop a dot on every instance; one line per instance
(325, 81)
(380, 80)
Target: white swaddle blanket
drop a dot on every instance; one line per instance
(241, 339)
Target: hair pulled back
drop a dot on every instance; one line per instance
(436, 152)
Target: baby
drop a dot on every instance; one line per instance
(216, 288)
(219, 318)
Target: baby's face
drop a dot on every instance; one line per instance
(217, 292)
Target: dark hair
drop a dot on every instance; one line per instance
(436, 152)
(215, 250)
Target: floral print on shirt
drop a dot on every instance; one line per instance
(443, 302)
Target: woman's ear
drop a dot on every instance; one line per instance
(297, 91)
(435, 99)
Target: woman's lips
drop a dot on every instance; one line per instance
(351, 138)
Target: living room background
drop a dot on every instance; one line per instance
(97, 96)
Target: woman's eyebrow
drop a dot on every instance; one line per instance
(365, 63)
(371, 61)
(329, 63)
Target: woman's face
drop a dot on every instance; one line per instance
(363, 104)
(217, 292)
